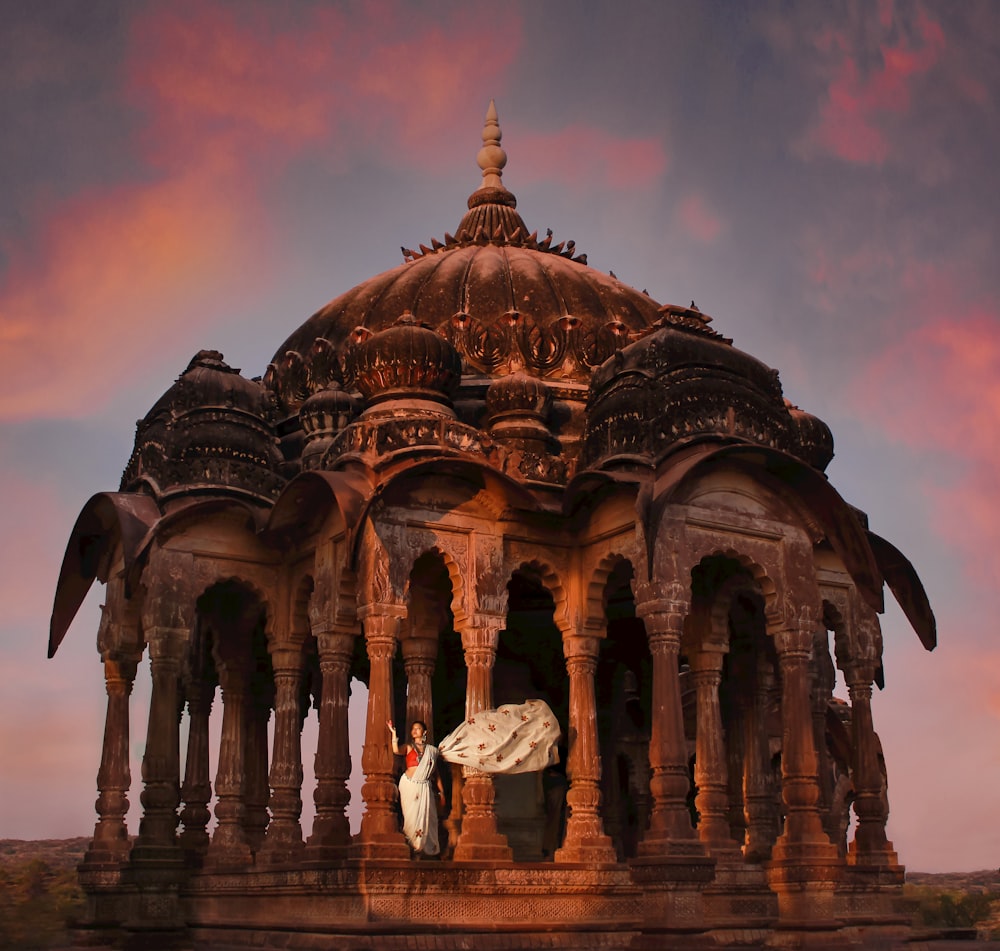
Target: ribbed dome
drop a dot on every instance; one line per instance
(504, 299)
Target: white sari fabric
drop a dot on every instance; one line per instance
(416, 800)
(514, 738)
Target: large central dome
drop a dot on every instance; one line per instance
(504, 299)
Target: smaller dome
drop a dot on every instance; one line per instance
(213, 429)
(322, 416)
(678, 383)
(405, 368)
(815, 440)
(518, 406)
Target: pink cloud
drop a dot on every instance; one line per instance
(583, 155)
(254, 80)
(34, 529)
(107, 269)
(700, 219)
(862, 102)
(231, 97)
(937, 388)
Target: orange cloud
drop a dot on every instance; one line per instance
(231, 96)
(582, 155)
(856, 116)
(699, 219)
(256, 82)
(84, 306)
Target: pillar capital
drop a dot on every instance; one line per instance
(334, 643)
(859, 675)
(581, 647)
(382, 621)
(795, 642)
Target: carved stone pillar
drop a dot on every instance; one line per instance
(157, 840)
(197, 789)
(800, 786)
(256, 791)
(380, 836)
(479, 840)
(663, 609)
(712, 799)
(331, 831)
(870, 846)
(823, 680)
(419, 655)
(284, 834)
(805, 865)
(585, 840)
(736, 730)
(229, 844)
(110, 845)
(758, 778)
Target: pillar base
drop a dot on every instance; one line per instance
(666, 848)
(482, 844)
(593, 849)
(386, 846)
(804, 876)
(228, 856)
(280, 853)
(882, 857)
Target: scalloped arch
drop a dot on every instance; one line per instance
(456, 576)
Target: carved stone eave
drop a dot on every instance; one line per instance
(199, 507)
(588, 483)
(906, 587)
(517, 496)
(107, 519)
(307, 500)
(841, 526)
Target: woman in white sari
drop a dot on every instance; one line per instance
(416, 799)
(515, 738)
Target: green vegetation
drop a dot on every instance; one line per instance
(952, 908)
(37, 904)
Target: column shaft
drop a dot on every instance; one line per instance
(110, 844)
(197, 789)
(479, 839)
(670, 830)
(157, 840)
(380, 835)
(870, 845)
(585, 839)
(710, 777)
(331, 829)
(284, 833)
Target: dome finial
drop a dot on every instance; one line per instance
(491, 158)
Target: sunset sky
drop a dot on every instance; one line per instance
(819, 177)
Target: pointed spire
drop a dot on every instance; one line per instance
(492, 158)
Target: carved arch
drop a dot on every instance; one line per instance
(456, 576)
(594, 606)
(546, 575)
(759, 574)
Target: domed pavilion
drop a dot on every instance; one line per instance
(491, 474)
